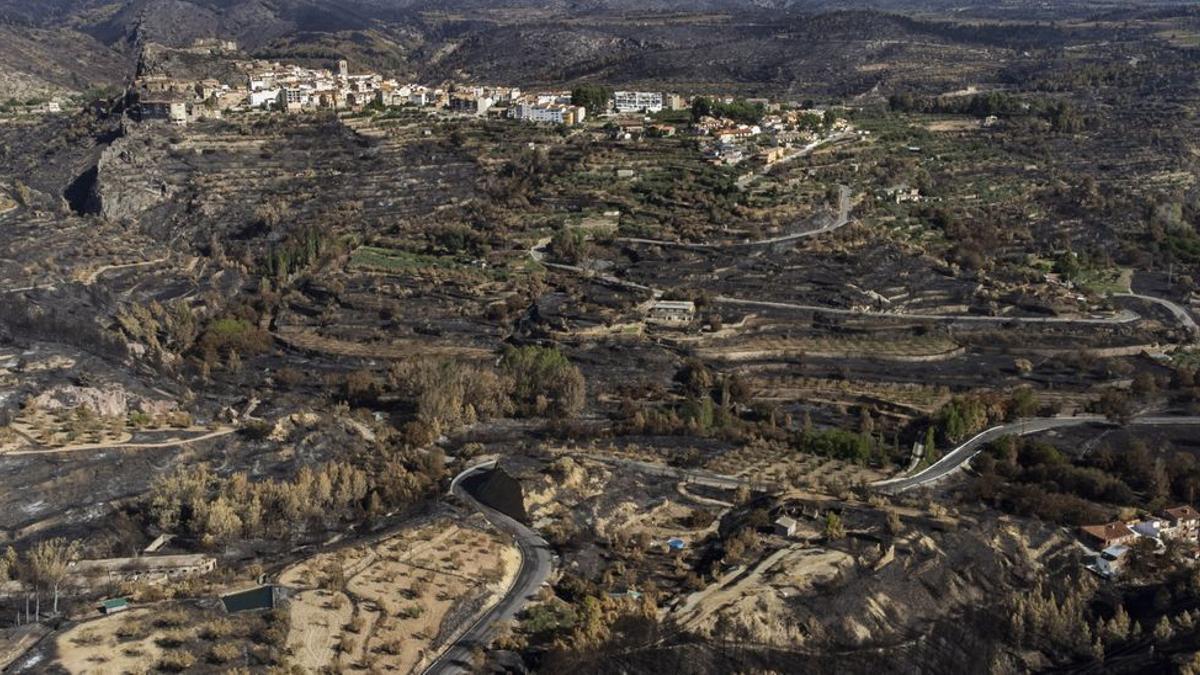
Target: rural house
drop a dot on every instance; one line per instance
(1181, 522)
(1101, 537)
(672, 312)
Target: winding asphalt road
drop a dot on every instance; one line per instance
(957, 458)
(538, 254)
(843, 217)
(536, 565)
(1182, 315)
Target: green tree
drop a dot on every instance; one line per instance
(594, 97)
(1023, 403)
(699, 412)
(8, 564)
(1067, 264)
(738, 111)
(834, 529)
(544, 381)
(695, 377)
(569, 245)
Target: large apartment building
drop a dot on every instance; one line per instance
(638, 101)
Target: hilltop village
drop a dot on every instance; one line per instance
(277, 87)
(733, 129)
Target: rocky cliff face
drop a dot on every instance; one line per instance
(133, 175)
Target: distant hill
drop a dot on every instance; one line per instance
(38, 63)
(258, 21)
(790, 44)
(180, 21)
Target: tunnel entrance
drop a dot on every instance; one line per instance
(498, 490)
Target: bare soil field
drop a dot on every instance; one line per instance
(769, 583)
(953, 125)
(95, 646)
(393, 603)
(169, 637)
(787, 467)
(931, 348)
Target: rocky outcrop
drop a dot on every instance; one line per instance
(133, 175)
(110, 400)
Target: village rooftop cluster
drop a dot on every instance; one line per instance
(273, 86)
(1115, 540)
(288, 88)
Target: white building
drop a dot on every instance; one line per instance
(902, 194)
(393, 95)
(178, 113)
(292, 98)
(785, 526)
(175, 112)
(553, 98)
(506, 95)
(264, 98)
(472, 103)
(555, 113)
(1181, 522)
(638, 101)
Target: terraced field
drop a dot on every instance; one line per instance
(916, 349)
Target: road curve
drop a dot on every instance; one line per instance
(1124, 316)
(536, 565)
(957, 458)
(1182, 315)
(843, 217)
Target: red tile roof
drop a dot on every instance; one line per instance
(1184, 512)
(1108, 531)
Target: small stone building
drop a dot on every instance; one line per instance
(785, 526)
(148, 569)
(672, 312)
